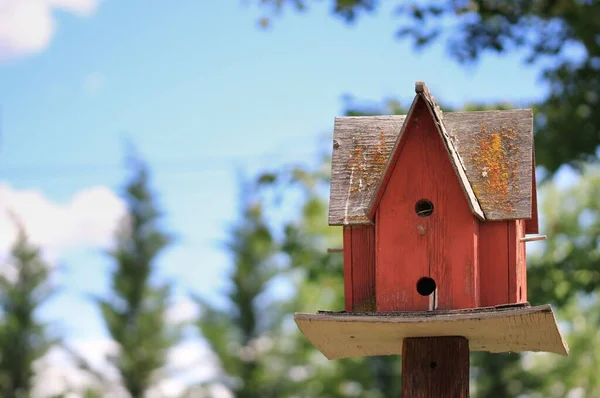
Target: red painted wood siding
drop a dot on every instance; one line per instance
(442, 246)
(359, 276)
(493, 263)
(503, 266)
(348, 268)
(517, 269)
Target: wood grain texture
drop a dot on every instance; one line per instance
(348, 303)
(493, 263)
(497, 150)
(363, 268)
(391, 161)
(442, 246)
(503, 263)
(517, 268)
(434, 367)
(494, 330)
(532, 226)
(363, 146)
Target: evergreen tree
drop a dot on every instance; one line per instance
(135, 313)
(24, 287)
(307, 236)
(240, 333)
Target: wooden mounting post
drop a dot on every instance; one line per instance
(435, 367)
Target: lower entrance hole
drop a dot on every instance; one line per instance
(426, 286)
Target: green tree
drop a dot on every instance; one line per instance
(24, 287)
(561, 37)
(240, 334)
(135, 312)
(260, 350)
(307, 236)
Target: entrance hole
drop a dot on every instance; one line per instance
(426, 286)
(424, 208)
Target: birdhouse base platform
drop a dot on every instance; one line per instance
(513, 328)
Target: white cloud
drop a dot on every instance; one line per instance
(89, 219)
(27, 26)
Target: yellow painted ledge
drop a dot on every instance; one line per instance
(493, 329)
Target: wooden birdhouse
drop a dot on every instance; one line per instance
(436, 210)
(435, 207)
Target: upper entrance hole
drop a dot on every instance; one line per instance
(424, 208)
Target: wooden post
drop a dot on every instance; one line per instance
(435, 367)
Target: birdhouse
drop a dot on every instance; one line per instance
(435, 207)
(436, 210)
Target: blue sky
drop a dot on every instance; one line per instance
(202, 92)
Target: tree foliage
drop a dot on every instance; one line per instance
(24, 287)
(135, 312)
(561, 36)
(241, 333)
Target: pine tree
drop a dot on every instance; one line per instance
(238, 334)
(135, 313)
(24, 287)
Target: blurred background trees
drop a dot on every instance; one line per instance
(278, 244)
(561, 36)
(135, 312)
(24, 288)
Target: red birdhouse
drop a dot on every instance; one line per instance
(435, 207)
(435, 210)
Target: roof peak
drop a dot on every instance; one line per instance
(421, 87)
(437, 116)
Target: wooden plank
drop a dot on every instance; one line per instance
(493, 263)
(532, 225)
(362, 146)
(517, 268)
(363, 268)
(348, 268)
(434, 367)
(442, 246)
(522, 261)
(494, 330)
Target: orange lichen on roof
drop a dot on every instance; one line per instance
(494, 161)
(366, 164)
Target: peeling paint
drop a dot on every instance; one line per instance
(496, 160)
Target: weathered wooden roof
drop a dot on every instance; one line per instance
(494, 149)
